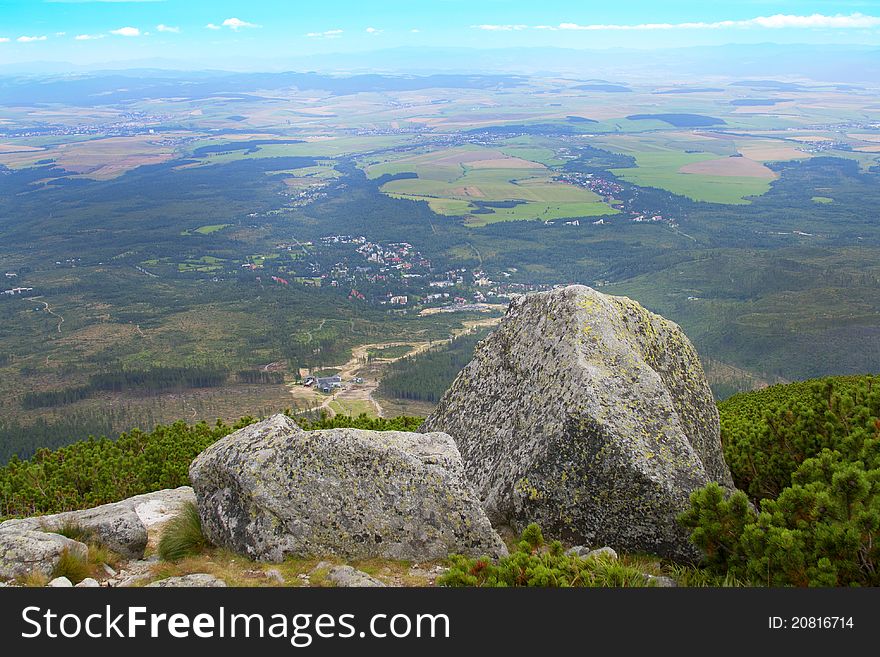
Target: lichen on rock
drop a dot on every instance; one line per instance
(272, 490)
(589, 415)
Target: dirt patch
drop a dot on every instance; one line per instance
(111, 157)
(772, 151)
(505, 163)
(729, 166)
(13, 148)
(861, 137)
(811, 138)
(469, 190)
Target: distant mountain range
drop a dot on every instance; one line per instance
(841, 64)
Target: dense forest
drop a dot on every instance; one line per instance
(426, 376)
(145, 381)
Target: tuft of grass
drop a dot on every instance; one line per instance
(34, 579)
(100, 554)
(73, 567)
(702, 577)
(74, 531)
(182, 536)
(607, 572)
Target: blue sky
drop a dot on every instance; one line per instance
(90, 31)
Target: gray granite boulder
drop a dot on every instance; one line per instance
(272, 490)
(121, 526)
(23, 551)
(589, 415)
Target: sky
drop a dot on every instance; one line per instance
(204, 31)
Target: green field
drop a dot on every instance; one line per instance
(457, 182)
(206, 230)
(661, 169)
(330, 147)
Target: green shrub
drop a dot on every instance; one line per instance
(811, 462)
(182, 536)
(98, 471)
(536, 564)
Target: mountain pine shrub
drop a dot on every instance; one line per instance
(535, 563)
(809, 459)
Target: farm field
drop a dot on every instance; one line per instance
(488, 185)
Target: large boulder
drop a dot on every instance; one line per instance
(589, 415)
(271, 490)
(121, 526)
(23, 552)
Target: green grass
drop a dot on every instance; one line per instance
(73, 531)
(822, 200)
(396, 351)
(334, 147)
(353, 407)
(182, 536)
(211, 228)
(661, 169)
(458, 189)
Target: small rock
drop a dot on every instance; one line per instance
(88, 583)
(322, 565)
(275, 574)
(605, 552)
(107, 569)
(660, 581)
(61, 583)
(585, 552)
(196, 580)
(346, 576)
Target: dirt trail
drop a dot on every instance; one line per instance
(357, 366)
(50, 311)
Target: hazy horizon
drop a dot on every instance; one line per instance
(232, 35)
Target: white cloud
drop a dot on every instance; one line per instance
(236, 23)
(88, 37)
(60, 34)
(372, 30)
(167, 28)
(327, 34)
(501, 28)
(126, 32)
(775, 22)
(415, 30)
(4, 39)
(211, 26)
(30, 39)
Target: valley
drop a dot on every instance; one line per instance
(183, 235)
